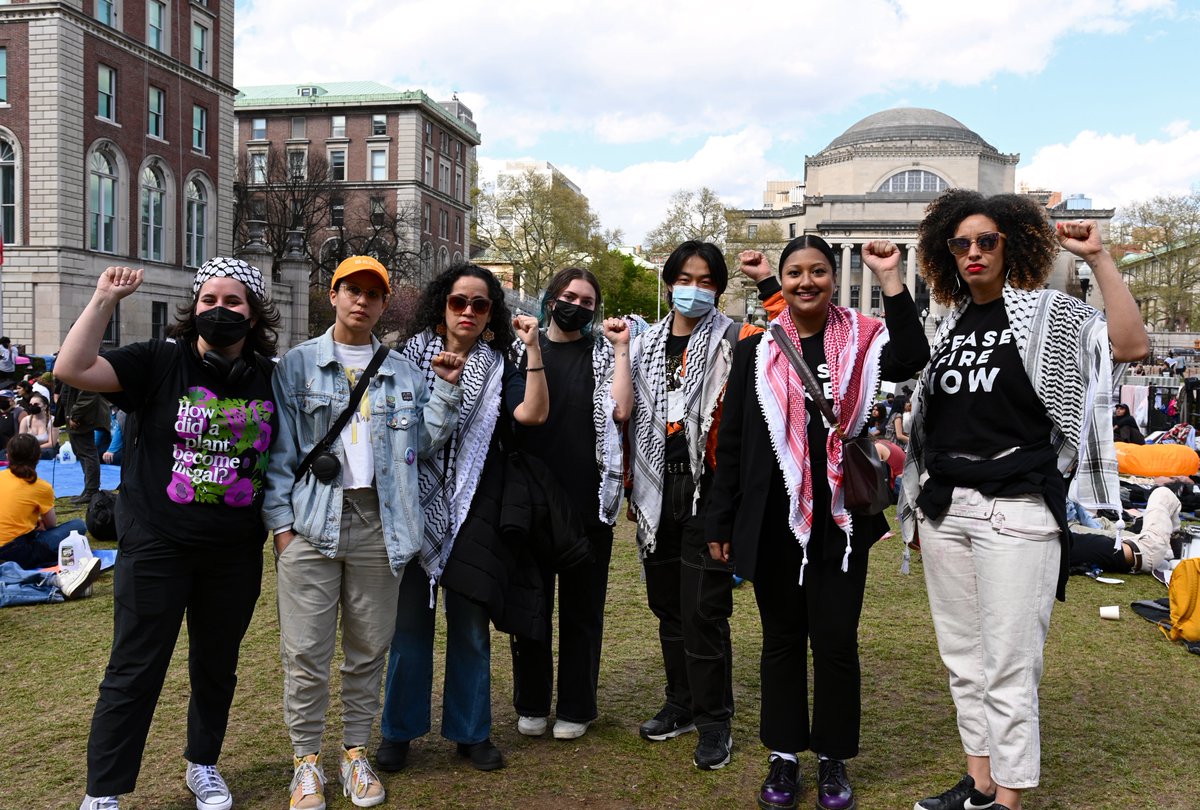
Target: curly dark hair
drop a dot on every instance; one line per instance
(431, 310)
(263, 337)
(1030, 244)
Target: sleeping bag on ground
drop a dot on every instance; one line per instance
(1150, 460)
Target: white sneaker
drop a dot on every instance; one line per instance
(531, 726)
(75, 581)
(359, 782)
(211, 791)
(100, 803)
(566, 730)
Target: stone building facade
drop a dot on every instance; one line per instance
(116, 147)
(874, 182)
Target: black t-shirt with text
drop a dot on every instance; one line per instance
(980, 399)
(196, 456)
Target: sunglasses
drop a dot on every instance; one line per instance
(987, 242)
(459, 303)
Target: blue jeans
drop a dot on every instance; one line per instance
(21, 587)
(467, 690)
(40, 549)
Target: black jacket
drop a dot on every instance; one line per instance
(519, 515)
(746, 462)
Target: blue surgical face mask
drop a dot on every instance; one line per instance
(692, 301)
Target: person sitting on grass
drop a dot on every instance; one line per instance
(29, 531)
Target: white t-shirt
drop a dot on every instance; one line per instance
(359, 470)
(8, 359)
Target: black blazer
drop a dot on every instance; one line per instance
(746, 462)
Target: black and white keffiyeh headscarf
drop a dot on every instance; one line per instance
(447, 481)
(226, 267)
(703, 383)
(1067, 356)
(608, 434)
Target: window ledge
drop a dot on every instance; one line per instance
(301, 142)
(379, 138)
(108, 121)
(339, 139)
(163, 141)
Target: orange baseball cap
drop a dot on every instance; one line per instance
(360, 264)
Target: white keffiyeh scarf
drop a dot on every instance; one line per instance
(1066, 353)
(708, 359)
(447, 481)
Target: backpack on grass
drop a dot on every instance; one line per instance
(1184, 593)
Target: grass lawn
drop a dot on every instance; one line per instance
(1119, 712)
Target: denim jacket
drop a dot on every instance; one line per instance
(408, 422)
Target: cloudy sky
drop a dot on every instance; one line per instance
(635, 99)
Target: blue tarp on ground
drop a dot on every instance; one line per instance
(67, 479)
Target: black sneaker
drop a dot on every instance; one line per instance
(962, 796)
(781, 789)
(834, 791)
(713, 750)
(392, 755)
(483, 755)
(669, 722)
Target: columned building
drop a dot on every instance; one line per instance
(875, 180)
(116, 147)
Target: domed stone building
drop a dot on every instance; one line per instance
(874, 181)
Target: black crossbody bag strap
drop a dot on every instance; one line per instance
(336, 428)
(806, 376)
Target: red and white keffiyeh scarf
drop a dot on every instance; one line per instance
(853, 345)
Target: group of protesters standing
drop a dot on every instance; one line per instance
(484, 460)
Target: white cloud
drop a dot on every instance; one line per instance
(1116, 169)
(629, 71)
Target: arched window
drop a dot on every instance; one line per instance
(457, 257)
(102, 201)
(443, 259)
(914, 180)
(196, 219)
(153, 208)
(8, 191)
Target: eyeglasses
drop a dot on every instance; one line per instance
(459, 303)
(355, 292)
(987, 242)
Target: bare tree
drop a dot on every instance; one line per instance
(286, 189)
(698, 215)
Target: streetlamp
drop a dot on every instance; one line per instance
(924, 317)
(1084, 271)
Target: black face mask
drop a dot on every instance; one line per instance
(33, 410)
(221, 327)
(5, 403)
(571, 317)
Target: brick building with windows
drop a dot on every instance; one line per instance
(116, 147)
(394, 152)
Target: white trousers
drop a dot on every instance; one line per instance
(991, 570)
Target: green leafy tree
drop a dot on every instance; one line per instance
(627, 287)
(538, 226)
(1157, 245)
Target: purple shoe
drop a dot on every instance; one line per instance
(834, 791)
(781, 788)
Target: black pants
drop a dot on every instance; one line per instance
(692, 596)
(156, 583)
(1096, 551)
(824, 613)
(83, 445)
(581, 594)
